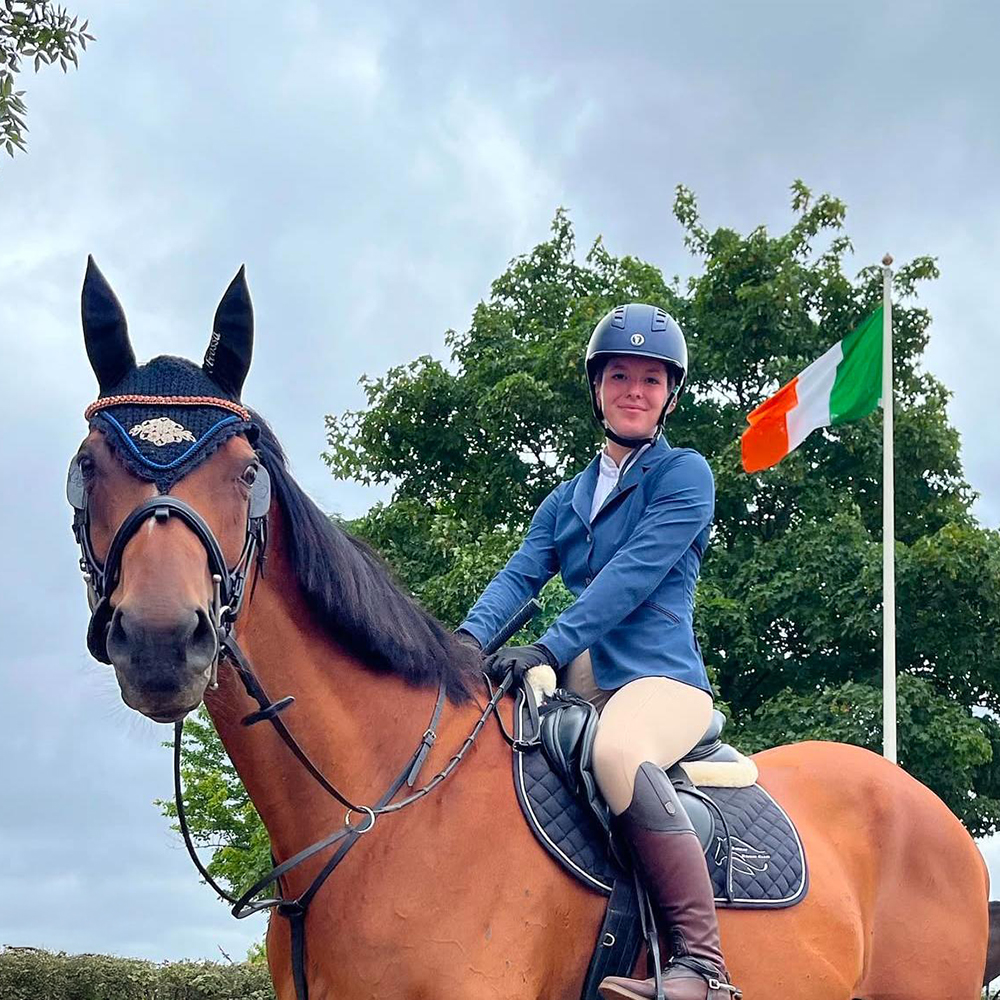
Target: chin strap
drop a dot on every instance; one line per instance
(640, 441)
(629, 442)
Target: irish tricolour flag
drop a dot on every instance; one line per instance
(844, 384)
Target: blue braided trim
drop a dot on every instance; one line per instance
(163, 466)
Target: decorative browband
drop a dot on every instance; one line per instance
(137, 400)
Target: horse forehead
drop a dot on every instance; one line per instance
(231, 452)
(166, 418)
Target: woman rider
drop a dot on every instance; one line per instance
(628, 534)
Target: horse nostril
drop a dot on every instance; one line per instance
(117, 635)
(203, 644)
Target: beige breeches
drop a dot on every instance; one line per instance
(653, 718)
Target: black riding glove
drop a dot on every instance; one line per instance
(520, 659)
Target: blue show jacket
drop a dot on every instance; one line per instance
(633, 570)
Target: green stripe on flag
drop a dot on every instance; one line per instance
(857, 388)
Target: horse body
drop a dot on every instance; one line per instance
(454, 897)
(437, 900)
(897, 903)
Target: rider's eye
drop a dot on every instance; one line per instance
(249, 476)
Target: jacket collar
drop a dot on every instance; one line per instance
(583, 492)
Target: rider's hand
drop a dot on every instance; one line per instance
(519, 659)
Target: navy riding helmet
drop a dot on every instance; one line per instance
(641, 331)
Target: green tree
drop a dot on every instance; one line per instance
(789, 608)
(789, 605)
(42, 33)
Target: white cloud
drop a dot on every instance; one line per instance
(331, 62)
(498, 182)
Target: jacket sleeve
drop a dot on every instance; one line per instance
(526, 572)
(681, 507)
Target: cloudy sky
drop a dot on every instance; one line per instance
(375, 166)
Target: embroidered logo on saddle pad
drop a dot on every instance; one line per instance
(161, 431)
(747, 859)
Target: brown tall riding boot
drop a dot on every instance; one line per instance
(672, 866)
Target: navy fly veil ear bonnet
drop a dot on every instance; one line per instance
(167, 416)
(164, 418)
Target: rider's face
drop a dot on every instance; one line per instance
(632, 392)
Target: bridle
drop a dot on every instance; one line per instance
(229, 584)
(227, 600)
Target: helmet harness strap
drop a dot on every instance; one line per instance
(625, 442)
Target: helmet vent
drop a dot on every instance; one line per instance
(618, 319)
(659, 321)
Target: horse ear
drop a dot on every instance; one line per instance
(105, 331)
(227, 359)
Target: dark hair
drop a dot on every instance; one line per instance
(352, 593)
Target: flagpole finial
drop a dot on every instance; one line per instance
(887, 260)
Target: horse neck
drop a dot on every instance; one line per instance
(359, 726)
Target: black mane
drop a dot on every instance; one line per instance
(351, 591)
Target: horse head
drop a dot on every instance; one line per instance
(170, 502)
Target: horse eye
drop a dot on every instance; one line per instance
(86, 465)
(249, 476)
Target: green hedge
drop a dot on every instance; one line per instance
(32, 974)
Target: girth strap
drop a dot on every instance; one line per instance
(618, 942)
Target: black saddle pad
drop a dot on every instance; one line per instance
(756, 857)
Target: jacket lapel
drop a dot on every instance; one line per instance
(583, 492)
(633, 476)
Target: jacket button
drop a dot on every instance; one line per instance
(590, 539)
(588, 581)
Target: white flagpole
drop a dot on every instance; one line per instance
(888, 528)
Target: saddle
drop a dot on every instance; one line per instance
(753, 851)
(567, 728)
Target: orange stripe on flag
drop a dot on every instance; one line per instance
(765, 441)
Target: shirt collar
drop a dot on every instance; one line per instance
(608, 466)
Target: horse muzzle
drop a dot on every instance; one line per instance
(163, 664)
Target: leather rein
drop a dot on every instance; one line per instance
(229, 586)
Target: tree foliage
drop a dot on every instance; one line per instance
(42, 33)
(789, 606)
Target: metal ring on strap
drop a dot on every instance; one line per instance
(368, 811)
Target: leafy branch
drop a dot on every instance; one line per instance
(42, 33)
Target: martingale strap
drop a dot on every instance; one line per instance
(294, 910)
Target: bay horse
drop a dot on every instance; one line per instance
(451, 896)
